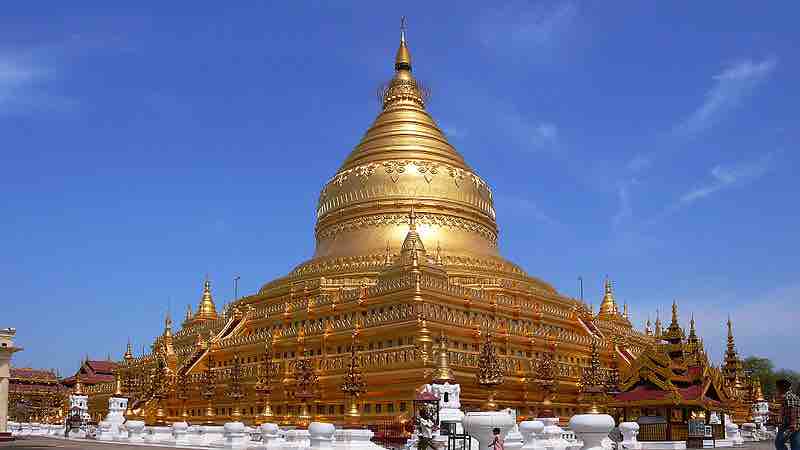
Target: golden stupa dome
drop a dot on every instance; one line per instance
(405, 160)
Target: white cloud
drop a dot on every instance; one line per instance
(531, 135)
(523, 25)
(730, 86)
(524, 207)
(24, 75)
(725, 176)
(722, 178)
(625, 211)
(754, 336)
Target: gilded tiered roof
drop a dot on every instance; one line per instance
(673, 372)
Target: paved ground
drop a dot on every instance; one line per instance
(38, 442)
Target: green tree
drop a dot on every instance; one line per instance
(764, 369)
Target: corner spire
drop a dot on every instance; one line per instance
(674, 312)
(128, 351)
(658, 324)
(412, 243)
(78, 384)
(608, 307)
(443, 373)
(206, 310)
(168, 325)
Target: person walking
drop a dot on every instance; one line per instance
(789, 428)
(498, 443)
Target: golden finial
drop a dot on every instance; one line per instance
(439, 259)
(626, 314)
(412, 219)
(402, 60)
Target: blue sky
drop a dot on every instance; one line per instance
(145, 145)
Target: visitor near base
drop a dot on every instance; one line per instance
(497, 443)
(789, 428)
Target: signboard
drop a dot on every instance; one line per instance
(697, 428)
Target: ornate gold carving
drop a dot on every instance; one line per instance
(379, 220)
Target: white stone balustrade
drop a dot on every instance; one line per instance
(236, 435)
(531, 431)
(135, 431)
(479, 425)
(158, 435)
(270, 436)
(321, 435)
(630, 431)
(591, 429)
(213, 435)
(354, 440)
(194, 434)
(732, 434)
(552, 434)
(180, 433)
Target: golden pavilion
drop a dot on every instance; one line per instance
(406, 251)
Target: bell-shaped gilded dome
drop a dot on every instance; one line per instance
(404, 159)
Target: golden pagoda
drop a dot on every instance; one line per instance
(402, 190)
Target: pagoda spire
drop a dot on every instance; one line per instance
(731, 343)
(626, 313)
(128, 351)
(608, 307)
(402, 60)
(733, 369)
(674, 332)
(692, 330)
(206, 310)
(658, 324)
(648, 328)
(403, 89)
(168, 325)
